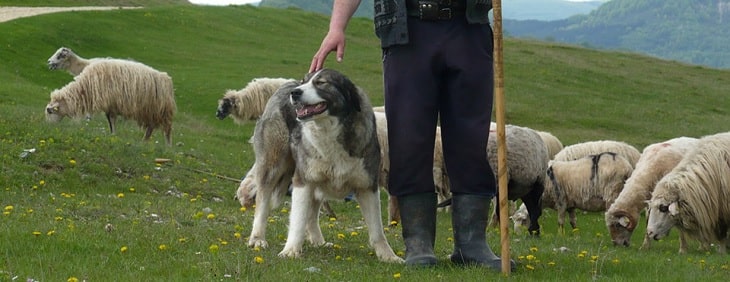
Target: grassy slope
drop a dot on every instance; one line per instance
(80, 178)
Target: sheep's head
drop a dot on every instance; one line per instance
(56, 109)
(224, 107)
(662, 217)
(60, 59)
(521, 219)
(621, 225)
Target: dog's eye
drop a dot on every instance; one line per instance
(663, 208)
(319, 82)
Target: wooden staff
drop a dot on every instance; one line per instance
(501, 143)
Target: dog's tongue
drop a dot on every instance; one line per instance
(310, 110)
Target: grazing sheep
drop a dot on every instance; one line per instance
(527, 160)
(118, 88)
(66, 59)
(591, 183)
(695, 195)
(577, 151)
(554, 146)
(248, 104)
(656, 161)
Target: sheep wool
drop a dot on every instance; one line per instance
(248, 104)
(695, 195)
(591, 183)
(579, 150)
(655, 162)
(117, 87)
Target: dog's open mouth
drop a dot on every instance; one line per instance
(307, 111)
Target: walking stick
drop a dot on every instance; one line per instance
(501, 143)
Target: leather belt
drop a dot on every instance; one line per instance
(436, 9)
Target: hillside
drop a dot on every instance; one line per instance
(82, 204)
(696, 32)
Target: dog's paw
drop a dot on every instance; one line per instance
(258, 243)
(290, 253)
(391, 259)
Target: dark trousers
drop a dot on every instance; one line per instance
(445, 73)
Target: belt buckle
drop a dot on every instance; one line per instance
(445, 13)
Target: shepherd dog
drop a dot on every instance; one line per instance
(319, 135)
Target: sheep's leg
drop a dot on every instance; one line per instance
(561, 220)
(168, 134)
(682, 243)
(573, 222)
(393, 211)
(534, 210)
(148, 133)
(111, 119)
(647, 240)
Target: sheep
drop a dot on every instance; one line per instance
(118, 88)
(527, 160)
(248, 104)
(591, 183)
(66, 59)
(577, 151)
(695, 195)
(656, 161)
(553, 143)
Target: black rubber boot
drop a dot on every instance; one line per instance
(469, 217)
(418, 217)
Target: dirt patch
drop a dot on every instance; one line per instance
(11, 13)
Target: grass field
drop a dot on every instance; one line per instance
(87, 205)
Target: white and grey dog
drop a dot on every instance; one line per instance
(330, 151)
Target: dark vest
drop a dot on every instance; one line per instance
(390, 18)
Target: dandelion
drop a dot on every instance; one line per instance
(242, 209)
(337, 246)
(353, 233)
(400, 253)
(146, 177)
(192, 200)
(198, 215)
(340, 236)
(533, 249)
(132, 190)
(42, 182)
(256, 249)
(284, 210)
(530, 267)
(8, 208)
(450, 239)
(210, 216)
(58, 218)
(120, 195)
(162, 247)
(552, 263)
(594, 258)
(396, 275)
(51, 232)
(258, 260)
(123, 249)
(213, 248)
(530, 257)
(237, 235)
(394, 223)
(72, 279)
(338, 257)
(182, 240)
(37, 233)
(615, 261)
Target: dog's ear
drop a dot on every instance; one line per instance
(350, 91)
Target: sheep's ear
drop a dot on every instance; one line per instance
(674, 208)
(624, 221)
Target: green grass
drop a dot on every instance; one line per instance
(58, 200)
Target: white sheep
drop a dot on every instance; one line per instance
(656, 160)
(591, 183)
(579, 150)
(527, 161)
(553, 144)
(695, 195)
(66, 59)
(248, 103)
(118, 88)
